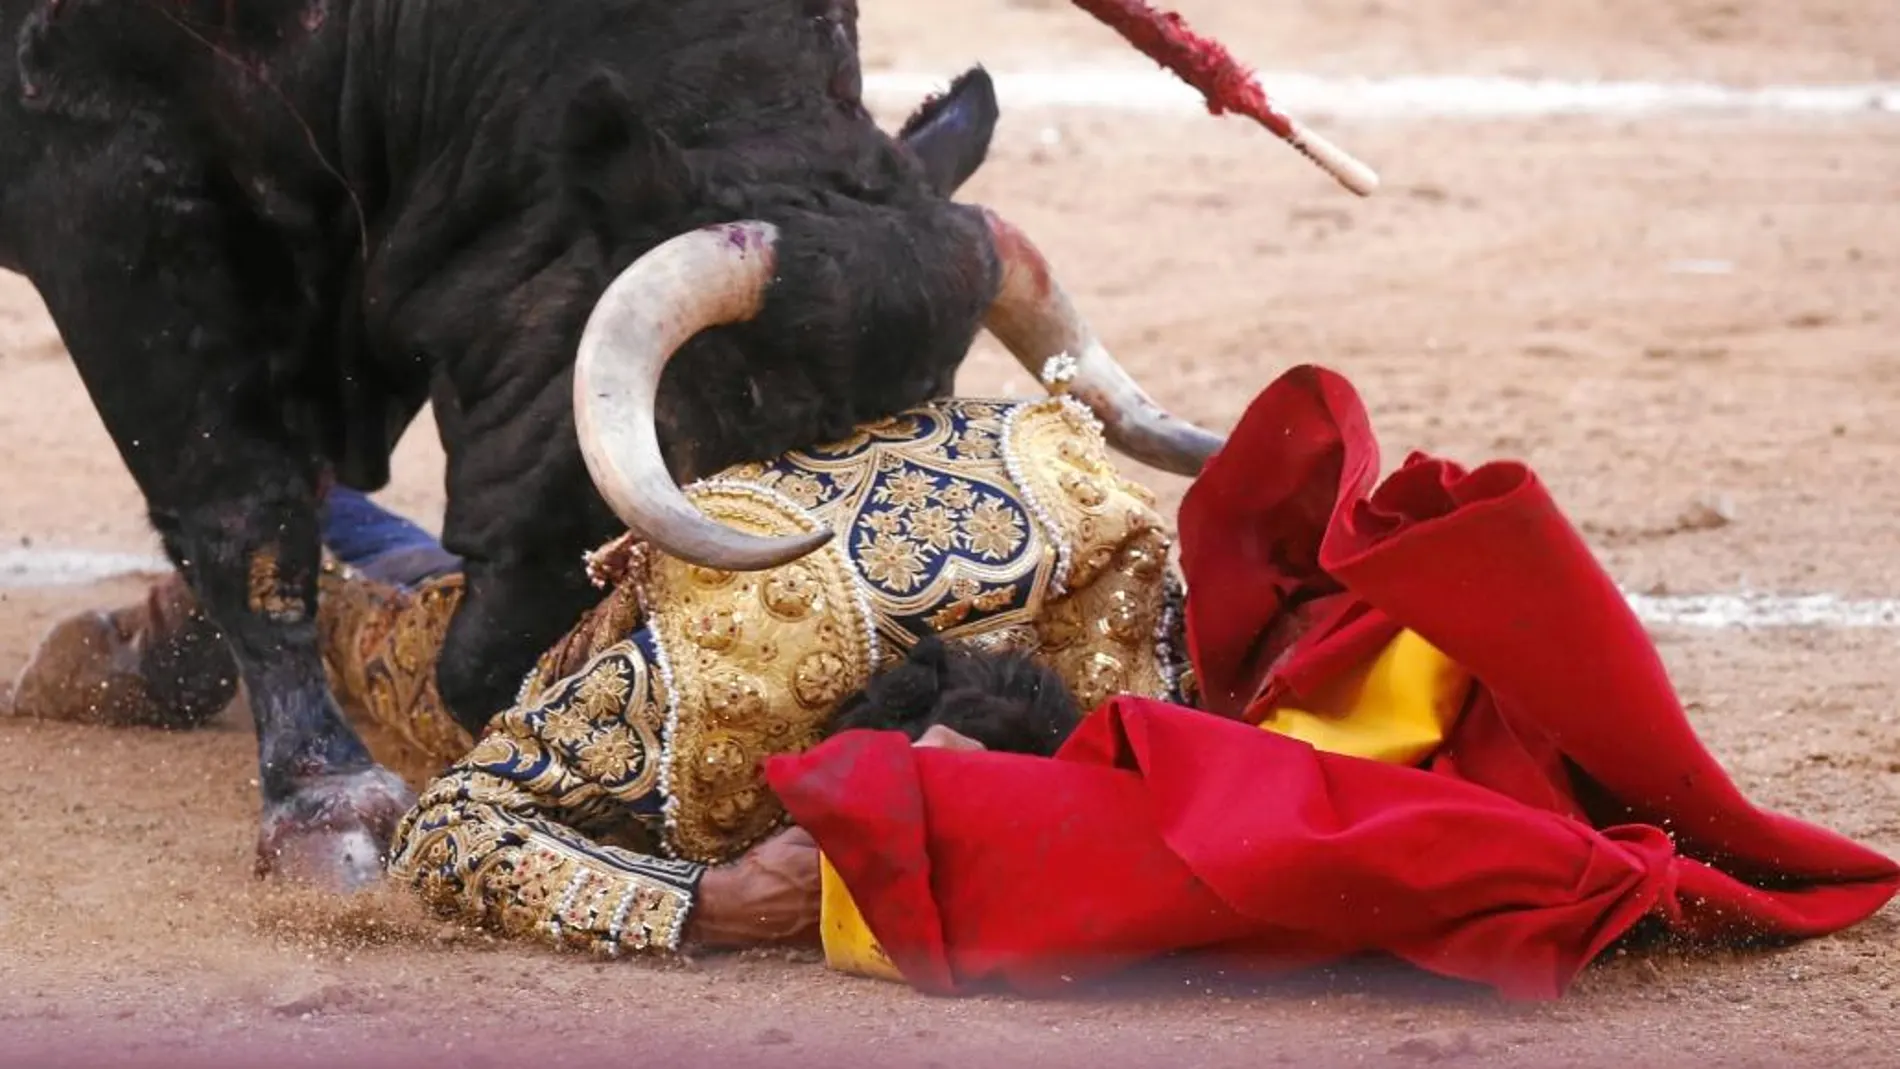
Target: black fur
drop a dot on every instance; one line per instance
(270, 231)
(1007, 701)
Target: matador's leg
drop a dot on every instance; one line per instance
(158, 662)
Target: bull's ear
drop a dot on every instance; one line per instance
(951, 133)
(614, 162)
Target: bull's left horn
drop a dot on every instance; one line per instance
(1033, 317)
(700, 279)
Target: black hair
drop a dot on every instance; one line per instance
(1007, 701)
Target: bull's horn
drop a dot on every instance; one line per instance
(700, 279)
(1035, 319)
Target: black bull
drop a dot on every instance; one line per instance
(270, 231)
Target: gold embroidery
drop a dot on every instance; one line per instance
(765, 689)
(1017, 638)
(731, 697)
(821, 681)
(889, 560)
(603, 693)
(1083, 490)
(1103, 636)
(906, 490)
(379, 646)
(792, 593)
(977, 445)
(499, 837)
(801, 488)
(269, 595)
(884, 523)
(933, 526)
(950, 615)
(614, 756)
(566, 727)
(994, 533)
(713, 629)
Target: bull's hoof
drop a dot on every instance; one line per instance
(333, 831)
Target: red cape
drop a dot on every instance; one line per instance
(1528, 843)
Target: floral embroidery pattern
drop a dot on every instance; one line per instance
(977, 445)
(891, 560)
(908, 489)
(932, 520)
(934, 526)
(914, 532)
(584, 722)
(994, 530)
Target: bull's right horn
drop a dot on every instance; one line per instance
(1033, 317)
(700, 279)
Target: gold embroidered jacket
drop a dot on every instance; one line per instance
(630, 760)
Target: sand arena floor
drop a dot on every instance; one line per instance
(1686, 321)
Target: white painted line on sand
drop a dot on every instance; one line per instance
(1147, 89)
(28, 568)
(22, 568)
(1746, 611)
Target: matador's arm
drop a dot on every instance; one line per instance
(503, 838)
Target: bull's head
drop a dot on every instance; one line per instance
(723, 274)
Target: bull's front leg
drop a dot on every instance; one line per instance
(245, 534)
(183, 335)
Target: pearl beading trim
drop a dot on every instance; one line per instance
(1051, 531)
(616, 926)
(567, 902)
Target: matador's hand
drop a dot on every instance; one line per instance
(769, 895)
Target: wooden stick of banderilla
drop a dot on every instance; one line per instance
(1205, 64)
